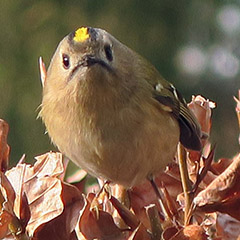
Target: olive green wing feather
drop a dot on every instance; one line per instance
(190, 132)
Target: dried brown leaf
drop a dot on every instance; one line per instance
(223, 187)
(221, 165)
(97, 224)
(169, 233)
(204, 169)
(128, 217)
(73, 203)
(230, 207)
(9, 222)
(143, 194)
(227, 227)
(46, 194)
(25, 213)
(4, 148)
(202, 109)
(170, 179)
(140, 233)
(49, 164)
(7, 192)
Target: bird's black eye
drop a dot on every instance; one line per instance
(108, 52)
(66, 61)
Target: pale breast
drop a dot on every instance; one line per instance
(129, 147)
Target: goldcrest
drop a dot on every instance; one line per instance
(110, 111)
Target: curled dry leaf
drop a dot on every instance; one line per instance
(7, 197)
(140, 233)
(73, 202)
(140, 197)
(4, 148)
(97, 224)
(7, 193)
(203, 169)
(221, 187)
(9, 223)
(221, 165)
(223, 194)
(49, 164)
(170, 179)
(25, 213)
(169, 233)
(44, 190)
(202, 109)
(128, 217)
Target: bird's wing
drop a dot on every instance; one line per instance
(190, 132)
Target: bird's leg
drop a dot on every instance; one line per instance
(118, 191)
(98, 200)
(106, 192)
(160, 197)
(121, 194)
(104, 186)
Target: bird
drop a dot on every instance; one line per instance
(111, 112)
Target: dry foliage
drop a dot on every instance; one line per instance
(38, 202)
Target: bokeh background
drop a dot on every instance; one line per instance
(194, 44)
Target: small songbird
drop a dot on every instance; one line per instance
(110, 111)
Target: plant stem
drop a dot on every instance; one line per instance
(186, 183)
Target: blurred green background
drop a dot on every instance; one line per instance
(194, 44)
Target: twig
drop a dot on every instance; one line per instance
(153, 215)
(186, 183)
(160, 197)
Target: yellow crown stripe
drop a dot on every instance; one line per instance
(81, 34)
